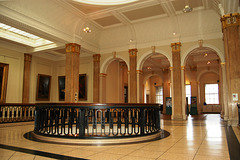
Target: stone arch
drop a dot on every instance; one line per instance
(109, 60)
(206, 71)
(148, 54)
(211, 47)
(148, 76)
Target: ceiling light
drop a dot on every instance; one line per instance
(187, 9)
(208, 62)
(106, 2)
(17, 35)
(87, 30)
(174, 33)
(205, 55)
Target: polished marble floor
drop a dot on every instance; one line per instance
(199, 138)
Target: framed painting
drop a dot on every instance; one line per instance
(43, 87)
(3, 81)
(61, 88)
(82, 95)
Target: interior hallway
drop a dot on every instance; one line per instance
(200, 137)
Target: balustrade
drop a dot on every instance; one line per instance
(77, 120)
(14, 112)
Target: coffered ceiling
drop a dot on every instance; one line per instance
(109, 16)
(113, 27)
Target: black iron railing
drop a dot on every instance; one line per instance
(16, 112)
(97, 120)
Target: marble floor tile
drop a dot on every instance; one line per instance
(192, 139)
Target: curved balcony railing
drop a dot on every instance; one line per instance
(16, 112)
(97, 120)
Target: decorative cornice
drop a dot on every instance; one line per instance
(230, 20)
(176, 47)
(73, 48)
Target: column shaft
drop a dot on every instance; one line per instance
(26, 78)
(72, 72)
(133, 75)
(96, 72)
(177, 84)
(231, 32)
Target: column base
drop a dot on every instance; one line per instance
(178, 117)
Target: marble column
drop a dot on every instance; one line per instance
(26, 78)
(133, 75)
(72, 72)
(96, 79)
(177, 82)
(231, 33)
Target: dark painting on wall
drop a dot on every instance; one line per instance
(61, 88)
(3, 81)
(43, 87)
(82, 95)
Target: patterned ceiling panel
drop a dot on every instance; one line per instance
(144, 12)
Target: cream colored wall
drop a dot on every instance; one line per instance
(15, 74)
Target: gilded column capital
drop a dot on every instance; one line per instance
(229, 20)
(182, 67)
(133, 52)
(27, 57)
(139, 72)
(222, 63)
(103, 75)
(176, 47)
(171, 68)
(73, 48)
(96, 57)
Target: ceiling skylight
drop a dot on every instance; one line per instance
(106, 2)
(22, 37)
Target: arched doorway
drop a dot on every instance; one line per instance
(156, 77)
(116, 81)
(203, 84)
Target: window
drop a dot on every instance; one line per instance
(159, 94)
(188, 92)
(211, 94)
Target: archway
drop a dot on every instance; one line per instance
(202, 70)
(156, 77)
(114, 81)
